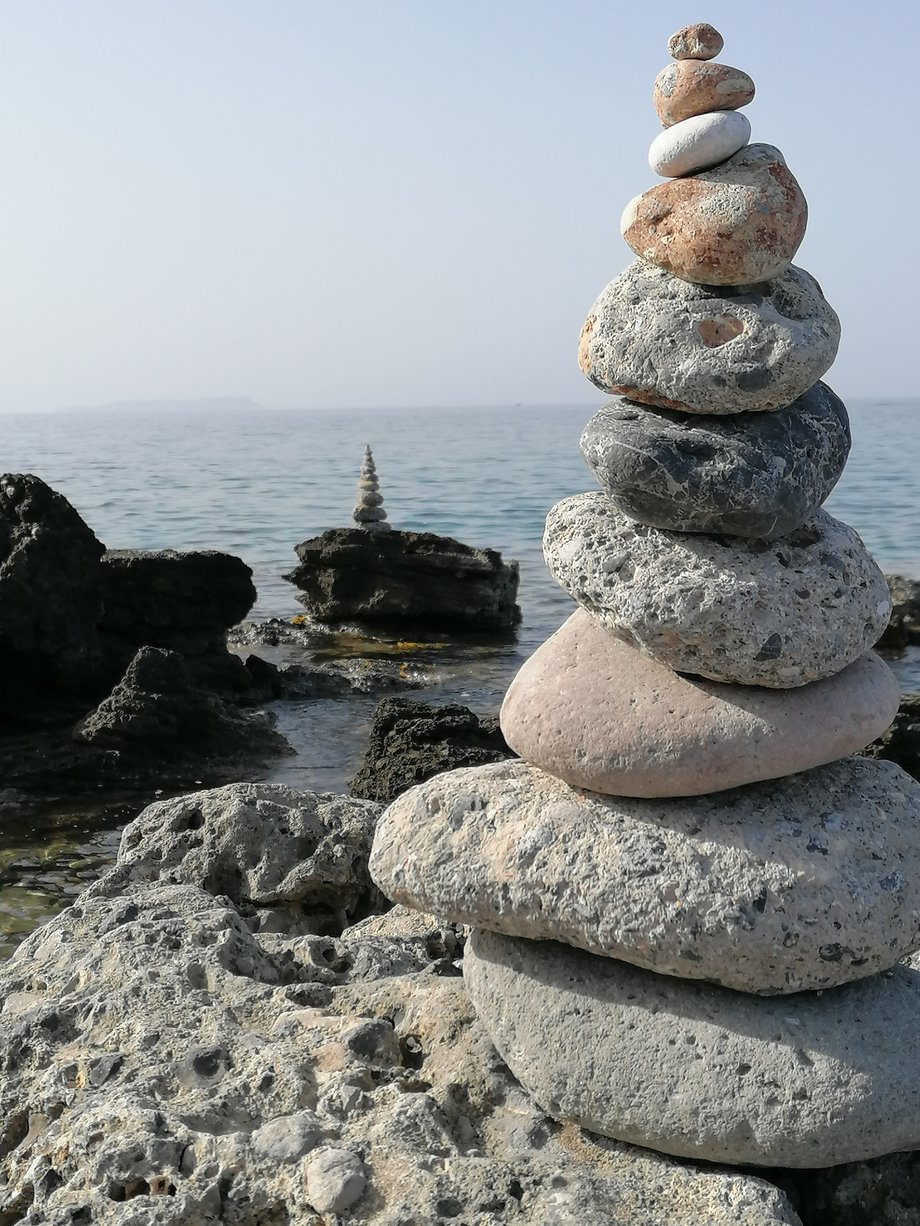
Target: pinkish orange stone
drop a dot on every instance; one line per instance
(736, 224)
(697, 87)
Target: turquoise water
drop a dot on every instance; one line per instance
(256, 483)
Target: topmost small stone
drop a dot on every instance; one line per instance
(700, 41)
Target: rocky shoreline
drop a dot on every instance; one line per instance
(229, 1027)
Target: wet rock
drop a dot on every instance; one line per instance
(159, 709)
(695, 87)
(165, 1048)
(803, 1081)
(901, 742)
(780, 613)
(335, 678)
(737, 224)
(791, 885)
(50, 605)
(904, 626)
(701, 350)
(349, 575)
(758, 475)
(697, 143)
(699, 41)
(597, 713)
(410, 741)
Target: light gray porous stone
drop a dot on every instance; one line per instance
(748, 474)
(698, 143)
(799, 884)
(801, 1081)
(700, 349)
(172, 1058)
(777, 613)
(597, 713)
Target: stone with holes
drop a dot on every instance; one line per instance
(601, 715)
(758, 475)
(698, 142)
(694, 87)
(795, 884)
(684, 1068)
(778, 613)
(737, 224)
(663, 341)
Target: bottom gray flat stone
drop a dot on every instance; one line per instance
(800, 1081)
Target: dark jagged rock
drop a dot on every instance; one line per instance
(881, 1192)
(748, 474)
(901, 743)
(50, 605)
(158, 708)
(904, 625)
(349, 575)
(411, 741)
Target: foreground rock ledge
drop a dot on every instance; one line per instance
(192, 1047)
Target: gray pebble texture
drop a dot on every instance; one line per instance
(808, 882)
(749, 474)
(778, 613)
(700, 349)
(796, 1081)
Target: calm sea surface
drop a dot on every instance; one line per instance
(256, 483)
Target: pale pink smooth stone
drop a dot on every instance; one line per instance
(600, 715)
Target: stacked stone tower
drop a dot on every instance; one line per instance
(369, 513)
(688, 902)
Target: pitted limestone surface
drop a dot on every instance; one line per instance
(797, 884)
(702, 349)
(777, 613)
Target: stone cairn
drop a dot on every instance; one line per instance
(690, 906)
(369, 513)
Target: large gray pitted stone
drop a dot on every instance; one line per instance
(663, 341)
(777, 613)
(600, 715)
(796, 884)
(760, 475)
(803, 1081)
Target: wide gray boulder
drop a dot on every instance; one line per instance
(780, 613)
(181, 1046)
(750, 474)
(703, 349)
(405, 578)
(798, 884)
(804, 1081)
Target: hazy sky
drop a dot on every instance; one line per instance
(405, 202)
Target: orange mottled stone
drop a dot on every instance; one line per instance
(696, 87)
(736, 224)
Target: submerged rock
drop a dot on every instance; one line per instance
(349, 575)
(179, 1048)
(410, 741)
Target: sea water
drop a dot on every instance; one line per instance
(257, 482)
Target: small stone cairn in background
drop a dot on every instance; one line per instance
(369, 513)
(689, 902)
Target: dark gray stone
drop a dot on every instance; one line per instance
(405, 578)
(751, 474)
(904, 626)
(411, 741)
